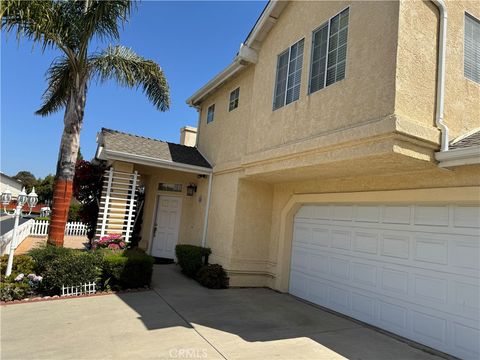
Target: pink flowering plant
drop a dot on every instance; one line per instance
(110, 241)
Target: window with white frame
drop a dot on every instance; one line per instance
(289, 75)
(329, 52)
(210, 113)
(234, 96)
(472, 48)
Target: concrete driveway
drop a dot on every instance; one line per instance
(181, 320)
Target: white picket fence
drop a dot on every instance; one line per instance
(23, 231)
(84, 289)
(37, 228)
(40, 228)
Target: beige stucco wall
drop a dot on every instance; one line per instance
(223, 139)
(367, 92)
(193, 207)
(370, 137)
(417, 64)
(222, 217)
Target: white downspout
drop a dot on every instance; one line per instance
(207, 208)
(442, 45)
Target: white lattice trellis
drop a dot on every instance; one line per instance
(118, 204)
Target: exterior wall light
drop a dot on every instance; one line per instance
(191, 189)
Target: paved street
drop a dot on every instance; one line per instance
(181, 320)
(7, 222)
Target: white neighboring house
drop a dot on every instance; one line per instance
(12, 184)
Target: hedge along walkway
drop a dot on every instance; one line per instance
(72, 242)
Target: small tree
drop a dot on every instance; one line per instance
(87, 189)
(27, 178)
(44, 188)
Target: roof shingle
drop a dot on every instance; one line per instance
(114, 140)
(472, 139)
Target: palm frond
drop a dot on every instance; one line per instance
(60, 79)
(129, 69)
(103, 18)
(39, 21)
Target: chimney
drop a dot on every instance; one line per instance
(188, 136)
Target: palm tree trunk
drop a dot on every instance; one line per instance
(67, 158)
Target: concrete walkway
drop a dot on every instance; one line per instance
(31, 242)
(181, 320)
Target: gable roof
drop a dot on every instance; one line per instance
(248, 50)
(116, 145)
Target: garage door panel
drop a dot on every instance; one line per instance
(396, 245)
(465, 254)
(466, 216)
(369, 214)
(431, 215)
(431, 248)
(431, 289)
(394, 281)
(365, 242)
(341, 239)
(303, 234)
(396, 214)
(363, 307)
(340, 268)
(338, 299)
(365, 274)
(466, 339)
(412, 270)
(320, 236)
(429, 328)
(342, 213)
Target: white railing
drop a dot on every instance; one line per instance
(23, 231)
(40, 228)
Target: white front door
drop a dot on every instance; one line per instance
(166, 226)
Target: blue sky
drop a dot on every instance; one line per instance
(192, 41)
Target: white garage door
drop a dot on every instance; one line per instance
(412, 270)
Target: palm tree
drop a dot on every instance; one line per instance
(70, 27)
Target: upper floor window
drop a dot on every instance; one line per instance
(289, 75)
(472, 48)
(234, 96)
(210, 113)
(329, 52)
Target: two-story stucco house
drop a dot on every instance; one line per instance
(338, 159)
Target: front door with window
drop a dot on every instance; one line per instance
(166, 226)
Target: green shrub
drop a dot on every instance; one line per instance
(126, 269)
(22, 264)
(191, 258)
(14, 291)
(213, 276)
(69, 267)
(44, 255)
(42, 218)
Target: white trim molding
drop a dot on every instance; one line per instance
(458, 157)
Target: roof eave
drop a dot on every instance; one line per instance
(155, 162)
(459, 157)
